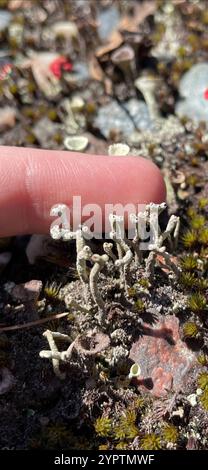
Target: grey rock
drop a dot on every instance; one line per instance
(139, 113)
(114, 117)
(5, 17)
(108, 19)
(192, 87)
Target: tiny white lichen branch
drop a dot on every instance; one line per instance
(54, 353)
(157, 247)
(108, 249)
(124, 251)
(99, 263)
(147, 86)
(84, 253)
(117, 235)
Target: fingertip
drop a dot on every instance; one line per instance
(33, 180)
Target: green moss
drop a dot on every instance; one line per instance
(13, 89)
(190, 330)
(204, 17)
(187, 280)
(194, 41)
(140, 305)
(28, 112)
(103, 447)
(190, 238)
(139, 403)
(58, 138)
(52, 114)
(90, 108)
(122, 445)
(126, 427)
(203, 203)
(182, 52)
(151, 442)
(144, 282)
(103, 426)
(4, 3)
(197, 302)
(197, 222)
(203, 236)
(30, 138)
(203, 359)
(204, 399)
(31, 87)
(170, 433)
(51, 291)
(204, 253)
(189, 263)
(201, 284)
(192, 180)
(203, 380)
(132, 292)
(191, 212)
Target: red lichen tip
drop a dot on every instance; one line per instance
(60, 64)
(206, 94)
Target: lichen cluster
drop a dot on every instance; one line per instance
(123, 257)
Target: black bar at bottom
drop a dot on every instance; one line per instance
(86, 459)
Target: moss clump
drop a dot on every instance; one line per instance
(31, 87)
(197, 302)
(58, 138)
(202, 284)
(197, 222)
(203, 359)
(139, 403)
(103, 426)
(187, 280)
(151, 442)
(203, 381)
(189, 238)
(144, 282)
(191, 212)
(140, 305)
(204, 399)
(132, 292)
(170, 433)
(126, 427)
(13, 89)
(52, 114)
(51, 291)
(103, 447)
(203, 203)
(192, 180)
(190, 329)
(30, 138)
(189, 263)
(203, 236)
(122, 445)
